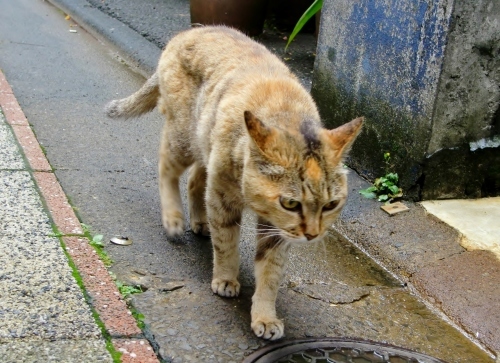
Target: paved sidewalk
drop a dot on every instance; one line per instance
(47, 265)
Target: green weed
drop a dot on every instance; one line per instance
(96, 242)
(385, 188)
(127, 290)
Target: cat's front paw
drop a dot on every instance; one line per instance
(226, 288)
(268, 328)
(173, 224)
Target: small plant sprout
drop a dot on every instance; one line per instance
(386, 187)
(97, 240)
(127, 290)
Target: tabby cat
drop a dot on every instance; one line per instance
(252, 137)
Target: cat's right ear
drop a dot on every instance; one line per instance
(262, 135)
(341, 138)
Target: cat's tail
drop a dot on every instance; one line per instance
(142, 101)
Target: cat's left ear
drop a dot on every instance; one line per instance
(342, 138)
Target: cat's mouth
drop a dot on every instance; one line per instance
(287, 236)
(301, 239)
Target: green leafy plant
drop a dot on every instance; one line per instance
(308, 14)
(386, 187)
(127, 290)
(97, 243)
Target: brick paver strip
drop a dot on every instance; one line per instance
(63, 215)
(8, 102)
(4, 85)
(135, 350)
(106, 299)
(31, 148)
(11, 109)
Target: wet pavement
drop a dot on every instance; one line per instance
(108, 171)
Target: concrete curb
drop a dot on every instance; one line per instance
(139, 53)
(106, 299)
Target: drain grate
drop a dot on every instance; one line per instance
(336, 350)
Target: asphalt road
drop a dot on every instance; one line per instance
(107, 168)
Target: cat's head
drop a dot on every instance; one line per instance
(295, 180)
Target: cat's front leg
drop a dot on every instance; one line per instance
(270, 261)
(224, 216)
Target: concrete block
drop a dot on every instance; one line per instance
(426, 76)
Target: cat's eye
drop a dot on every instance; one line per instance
(290, 204)
(331, 205)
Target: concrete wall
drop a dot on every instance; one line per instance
(426, 75)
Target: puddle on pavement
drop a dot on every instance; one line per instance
(357, 298)
(336, 260)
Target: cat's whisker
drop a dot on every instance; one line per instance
(266, 225)
(259, 231)
(270, 235)
(257, 227)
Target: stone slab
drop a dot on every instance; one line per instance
(473, 301)
(478, 220)
(67, 351)
(38, 295)
(9, 153)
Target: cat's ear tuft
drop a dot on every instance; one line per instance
(261, 134)
(341, 138)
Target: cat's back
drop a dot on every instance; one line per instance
(214, 51)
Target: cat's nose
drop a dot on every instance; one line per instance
(310, 236)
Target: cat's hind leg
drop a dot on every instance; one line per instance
(171, 165)
(197, 181)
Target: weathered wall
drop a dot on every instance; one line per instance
(465, 138)
(387, 60)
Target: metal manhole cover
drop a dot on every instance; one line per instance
(336, 350)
